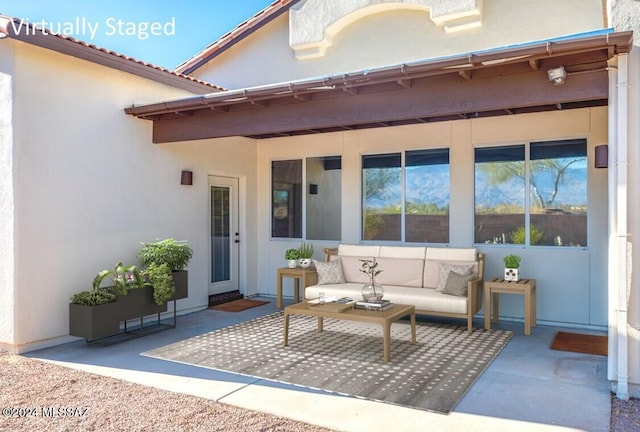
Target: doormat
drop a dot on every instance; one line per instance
(581, 343)
(347, 357)
(238, 305)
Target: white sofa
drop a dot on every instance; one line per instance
(416, 276)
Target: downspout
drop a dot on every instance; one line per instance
(618, 267)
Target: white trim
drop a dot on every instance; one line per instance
(618, 266)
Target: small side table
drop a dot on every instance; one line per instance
(495, 286)
(307, 276)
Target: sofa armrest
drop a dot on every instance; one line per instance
(474, 295)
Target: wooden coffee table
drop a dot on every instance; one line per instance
(384, 318)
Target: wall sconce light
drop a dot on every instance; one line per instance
(313, 189)
(557, 75)
(186, 178)
(602, 156)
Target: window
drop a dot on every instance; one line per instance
(552, 213)
(410, 204)
(427, 178)
(323, 198)
(286, 187)
(381, 197)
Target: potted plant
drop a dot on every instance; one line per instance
(123, 278)
(292, 255)
(176, 255)
(134, 294)
(511, 266)
(371, 292)
(305, 252)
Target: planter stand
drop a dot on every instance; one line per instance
(101, 324)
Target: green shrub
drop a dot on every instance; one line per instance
(176, 254)
(93, 297)
(160, 278)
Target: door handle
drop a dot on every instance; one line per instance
(236, 241)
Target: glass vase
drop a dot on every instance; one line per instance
(372, 292)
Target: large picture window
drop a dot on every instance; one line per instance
(406, 200)
(554, 210)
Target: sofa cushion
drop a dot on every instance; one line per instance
(400, 271)
(451, 254)
(351, 268)
(402, 252)
(358, 250)
(457, 284)
(329, 273)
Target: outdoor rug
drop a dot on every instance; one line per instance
(238, 305)
(581, 343)
(347, 357)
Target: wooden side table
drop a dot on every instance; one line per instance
(307, 276)
(495, 286)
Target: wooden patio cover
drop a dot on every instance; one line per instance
(504, 81)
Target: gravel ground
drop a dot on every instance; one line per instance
(36, 395)
(39, 396)
(625, 415)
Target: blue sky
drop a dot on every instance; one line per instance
(183, 29)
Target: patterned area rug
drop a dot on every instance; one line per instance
(347, 357)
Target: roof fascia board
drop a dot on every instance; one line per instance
(104, 57)
(240, 32)
(622, 41)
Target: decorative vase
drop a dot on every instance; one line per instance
(372, 292)
(292, 263)
(305, 262)
(511, 274)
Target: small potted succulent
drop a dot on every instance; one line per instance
(292, 255)
(305, 252)
(511, 266)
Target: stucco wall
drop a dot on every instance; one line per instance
(90, 186)
(569, 297)
(6, 191)
(396, 36)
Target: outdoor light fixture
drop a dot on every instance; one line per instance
(557, 75)
(602, 156)
(186, 178)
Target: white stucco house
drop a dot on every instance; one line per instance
(354, 121)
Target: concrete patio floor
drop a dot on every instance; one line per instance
(528, 387)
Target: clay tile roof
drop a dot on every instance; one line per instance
(84, 50)
(235, 35)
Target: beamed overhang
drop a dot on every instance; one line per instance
(490, 83)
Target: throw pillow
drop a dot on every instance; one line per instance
(329, 272)
(457, 284)
(443, 274)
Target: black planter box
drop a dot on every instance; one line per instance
(94, 322)
(138, 302)
(181, 284)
